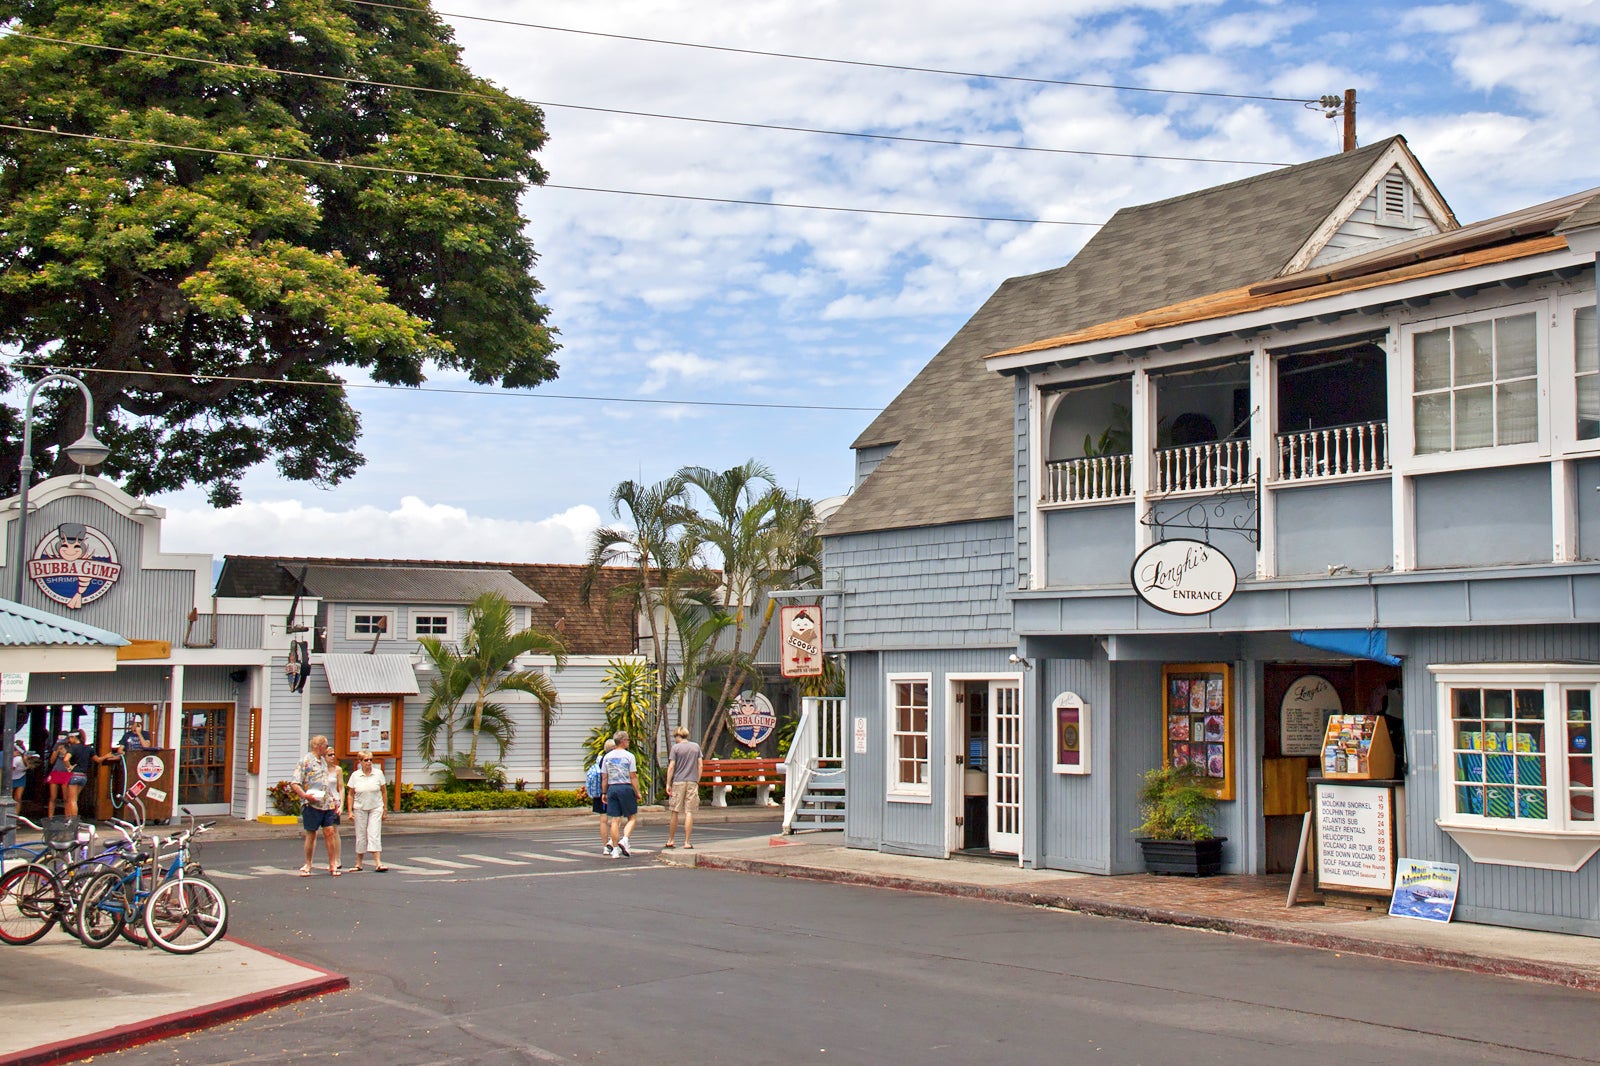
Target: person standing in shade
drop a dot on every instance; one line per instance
(594, 782)
(319, 799)
(19, 771)
(59, 773)
(82, 759)
(621, 772)
(366, 791)
(683, 775)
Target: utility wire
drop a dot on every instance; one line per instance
(841, 62)
(546, 185)
(406, 390)
(257, 69)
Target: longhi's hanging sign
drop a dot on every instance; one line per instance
(1184, 577)
(74, 564)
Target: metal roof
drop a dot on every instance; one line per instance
(29, 627)
(370, 675)
(419, 584)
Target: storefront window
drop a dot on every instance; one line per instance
(908, 741)
(1500, 752)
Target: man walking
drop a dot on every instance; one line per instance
(318, 788)
(683, 776)
(621, 771)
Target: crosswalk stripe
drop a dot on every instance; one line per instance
(270, 871)
(583, 853)
(418, 870)
(226, 876)
(448, 864)
(492, 859)
(543, 857)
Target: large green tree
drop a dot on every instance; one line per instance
(165, 272)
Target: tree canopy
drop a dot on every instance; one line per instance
(164, 272)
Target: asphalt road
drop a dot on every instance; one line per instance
(531, 947)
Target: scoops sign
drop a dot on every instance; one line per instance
(74, 564)
(1184, 577)
(801, 632)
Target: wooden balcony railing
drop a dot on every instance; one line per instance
(1337, 451)
(1214, 465)
(1087, 480)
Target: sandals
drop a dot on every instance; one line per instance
(381, 869)
(669, 844)
(357, 868)
(334, 871)
(689, 847)
(305, 871)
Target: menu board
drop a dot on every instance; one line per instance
(371, 726)
(1198, 722)
(1302, 715)
(1355, 838)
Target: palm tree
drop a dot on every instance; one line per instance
(485, 666)
(628, 699)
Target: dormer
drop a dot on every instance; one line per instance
(1394, 201)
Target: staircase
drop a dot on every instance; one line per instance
(814, 792)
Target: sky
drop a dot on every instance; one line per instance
(809, 322)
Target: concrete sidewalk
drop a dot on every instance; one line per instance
(142, 994)
(1243, 906)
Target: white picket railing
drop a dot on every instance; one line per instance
(1219, 464)
(1097, 477)
(816, 750)
(1361, 448)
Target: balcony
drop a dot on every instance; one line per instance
(1093, 479)
(1208, 467)
(1335, 451)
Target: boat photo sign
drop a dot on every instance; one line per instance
(1184, 577)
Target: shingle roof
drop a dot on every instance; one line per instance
(414, 584)
(28, 627)
(954, 423)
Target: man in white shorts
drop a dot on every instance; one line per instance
(683, 775)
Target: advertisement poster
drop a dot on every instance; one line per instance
(1355, 838)
(801, 631)
(1425, 890)
(1071, 734)
(370, 726)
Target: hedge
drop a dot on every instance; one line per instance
(487, 800)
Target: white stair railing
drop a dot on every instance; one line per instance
(1217, 464)
(1096, 477)
(1337, 451)
(818, 745)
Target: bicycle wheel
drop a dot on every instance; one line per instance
(30, 898)
(101, 910)
(186, 915)
(74, 879)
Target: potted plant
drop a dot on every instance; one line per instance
(1176, 834)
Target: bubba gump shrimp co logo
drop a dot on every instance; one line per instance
(74, 564)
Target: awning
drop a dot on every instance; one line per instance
(370, 675)
(1358, 643)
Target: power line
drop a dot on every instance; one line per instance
(569, 188)
(840, 62)
(407, 390)
(903, 138)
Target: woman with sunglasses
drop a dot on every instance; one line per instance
(366, 787)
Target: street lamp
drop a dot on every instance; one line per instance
(86, 451)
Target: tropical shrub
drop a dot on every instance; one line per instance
(283, 799)
(418, 801)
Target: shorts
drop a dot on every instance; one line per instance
(599, 805)
(314, 818)
(59, 777)
(78, 780)
(621, 802)
(684, 798)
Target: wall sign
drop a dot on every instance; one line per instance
(1071, 719)
(1307, 702)
(1183, 577)
(151, 768)
(74, 565)
(753, 718)
(801, 627)
(860, 745)
(1355, 838)
(14, 687)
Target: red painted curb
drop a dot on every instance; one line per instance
(1577, 977)
(185, 1021)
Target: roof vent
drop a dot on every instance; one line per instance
(1394, 199)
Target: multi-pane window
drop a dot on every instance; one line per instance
(367, 624)
(1522, 749)
(1475, 385)
(908, 740)
(430, 625)
(1588, 352)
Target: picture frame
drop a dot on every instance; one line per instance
(1070, 728)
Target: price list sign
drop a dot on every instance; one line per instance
(1355, 838)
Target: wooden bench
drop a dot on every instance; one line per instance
(723, 774)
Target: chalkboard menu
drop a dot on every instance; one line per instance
(1197, 718)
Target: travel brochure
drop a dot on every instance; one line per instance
(1425, 890)
(1347, 745)
(1197, 725)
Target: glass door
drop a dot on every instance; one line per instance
(1005, 767)
(205, 748)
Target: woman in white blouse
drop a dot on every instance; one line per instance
(366, 787)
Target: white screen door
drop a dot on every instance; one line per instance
(1005, 767)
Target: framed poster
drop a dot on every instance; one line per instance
(1303, 714)
(371, 727)
(1070, 716)
(1197, 722)
(1355, 838)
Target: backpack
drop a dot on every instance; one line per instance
(591, 783)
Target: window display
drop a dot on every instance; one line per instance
(1198, 722)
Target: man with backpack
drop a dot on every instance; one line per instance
(594, 785)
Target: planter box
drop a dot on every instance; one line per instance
(1186, 858)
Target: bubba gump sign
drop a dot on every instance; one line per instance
(1184, 577)
(74, 564)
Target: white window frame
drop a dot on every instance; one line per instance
(446, 613)
(1556, 843)
(352, 613)
(1564, 378)
(896, 790)
(1402, 411)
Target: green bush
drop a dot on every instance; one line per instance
(284, 799)
(488, 800)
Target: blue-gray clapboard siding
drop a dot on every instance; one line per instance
(1484, 517)
(1499, 895)
(1588, 495)
(927, 587)
(1089, 545)
(283, 739)
(1346, 524)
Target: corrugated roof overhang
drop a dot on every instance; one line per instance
(370, 675)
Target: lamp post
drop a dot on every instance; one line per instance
(86, 451)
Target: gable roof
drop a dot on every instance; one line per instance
(414, 584)
(954, 423)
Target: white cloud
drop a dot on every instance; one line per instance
(1441, 18)
(1252, 29)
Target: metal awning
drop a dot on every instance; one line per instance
(370, 675)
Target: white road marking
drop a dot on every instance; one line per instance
(448, 864)
(418, 870)
(548, 858)
(272, 871)
(492, 859)
(226, 876)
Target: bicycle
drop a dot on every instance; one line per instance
(177, 911)
(36, 896)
